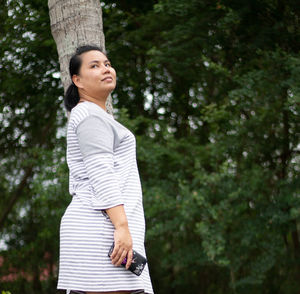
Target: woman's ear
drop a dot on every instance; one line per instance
(76, 80)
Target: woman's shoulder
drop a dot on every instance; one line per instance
(77, 114)
(86, 109)
(88, 116)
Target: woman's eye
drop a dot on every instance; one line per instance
(94, 65)
(107, 64)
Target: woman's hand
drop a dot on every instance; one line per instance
(122, 236)
(123, 246)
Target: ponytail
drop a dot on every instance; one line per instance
(71, 97)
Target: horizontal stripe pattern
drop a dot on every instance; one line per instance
(101, 156)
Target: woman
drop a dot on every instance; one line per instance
(104, 182)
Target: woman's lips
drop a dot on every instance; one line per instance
(107, 79)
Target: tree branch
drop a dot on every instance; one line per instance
(15, 196)
(28, 173)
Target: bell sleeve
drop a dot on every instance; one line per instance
(96, 141)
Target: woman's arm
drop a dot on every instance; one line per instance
(122, 236)
(96, 139)
(96, 143)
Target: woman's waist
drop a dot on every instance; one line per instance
(127, 186)
(81, 186)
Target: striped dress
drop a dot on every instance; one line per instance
(103, 173)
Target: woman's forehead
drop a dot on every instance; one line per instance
(93, 55)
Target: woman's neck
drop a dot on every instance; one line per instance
(100, 102)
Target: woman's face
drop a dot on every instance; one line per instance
(96, 77)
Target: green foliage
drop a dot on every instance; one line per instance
(32, 154)
(219, 157)
(211, 90)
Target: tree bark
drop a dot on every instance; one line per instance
(75, 23)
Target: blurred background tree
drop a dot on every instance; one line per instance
(211, 90)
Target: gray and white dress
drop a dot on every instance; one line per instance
(103, 173)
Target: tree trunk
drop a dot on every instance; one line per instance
(75, 23)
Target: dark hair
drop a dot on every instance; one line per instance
(72, 96)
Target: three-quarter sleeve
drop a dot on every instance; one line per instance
(96, 141)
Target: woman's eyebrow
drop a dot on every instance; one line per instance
(97, 61)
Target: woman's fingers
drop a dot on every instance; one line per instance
(115, 252)
(123, 247)
(121, 258)
(117, 255)
(129, 259)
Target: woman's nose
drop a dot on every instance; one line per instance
(105, 68)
